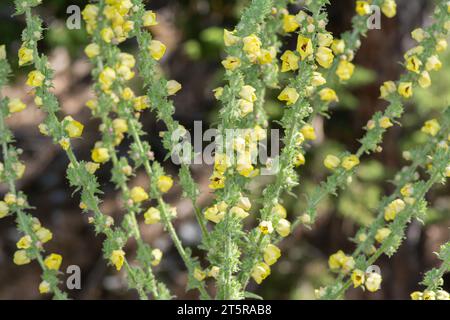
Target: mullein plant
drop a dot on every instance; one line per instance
(109, 63)
(79, 173)
(419, 62)
(34, 236)
(253, 64)
(433, 280)
(395, 212)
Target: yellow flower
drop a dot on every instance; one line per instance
(373, 282)
(382, 234)
(265, 227)
(44, 287)
(279, 210)
(328, 95)
(231, 63)
(331, 162)
(304, 47)
(214, 272)
(149, 19)
(164, 183)
(138, 194)
(416, 295)
(73, 128)
(431, 127)
(289, 61)
(433, 63)
(173, 87)
(271, 254)
(16, 105)
(91, 167)
(387, 88)
(429, 295)
(140, 103)
(157, 256)
(389, 8)
(419, 34)
(221, 162)
(299, 160)
(248, 93)
(107, 34)
(348, 264)
(4, 209)
(157, 49)
(244, 203)
(199, 274)
(107, 77)
(117, 259)
(358, 278)
(425, 80)
(308, 132)
(349, 162)
(229, 38)
(127, 60)
(405, 89)
(21, 257)
(44, 235)
(325, 39)
(152, 216)
(345, 70)
(24, 242)
(100, 155)
(442, 295)
(35, 79)
(38, 101)
(25, 55)
(213, 214)
(290, 23)
(385, 123)
(120, 126)
(290, 95)
(407, 190)
(128, 94)
(252, 46)
(64, 143)
(283, 228)
(92, 50)
(53, 261)
(318, 79)
(259, 133)
(10, 198)
(218, 92)
(363, 8)
(338, 46)
(92, 104)
(90, 12)
(217, 181)
(260, 272)
(245, 169)
(324, 57)
(335, 260)
(393, 208)
(413, 64)
(239, 212)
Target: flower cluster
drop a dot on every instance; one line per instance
(433, 280)
(31, 244)
(385, 234)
